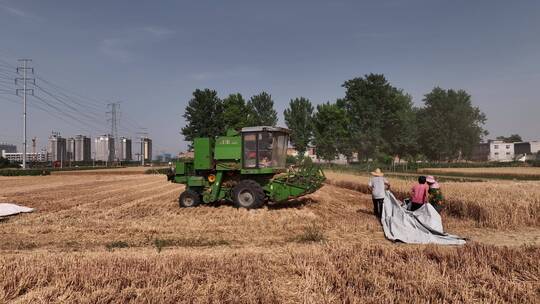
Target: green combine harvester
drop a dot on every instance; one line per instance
(246, 167)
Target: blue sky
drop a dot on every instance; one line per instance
(151, 55)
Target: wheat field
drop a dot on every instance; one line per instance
(504, 172)
(112, 238)
(494, 204)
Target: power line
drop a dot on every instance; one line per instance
(89, 107)
(45, 110)
(97, 105)
(65, 103)
(89, 104)
(67, 114)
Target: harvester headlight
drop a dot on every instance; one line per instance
(211, 178)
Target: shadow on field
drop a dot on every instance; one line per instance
(290, 204)
(294, 203)
(365, 212)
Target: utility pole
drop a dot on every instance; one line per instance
(115, 107)
(34, 149)
(24, 68)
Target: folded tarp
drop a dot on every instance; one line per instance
(422, 226)
(7, 209)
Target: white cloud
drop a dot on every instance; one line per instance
(123, 46)
(16, 12)
(116, 48)
(158, 31)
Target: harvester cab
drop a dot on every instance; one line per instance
(247, 167)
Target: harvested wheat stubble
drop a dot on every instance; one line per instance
(518, 172)
(496, 204)
(111, 171)
(139, 209)
(311, 274)
(121, 239)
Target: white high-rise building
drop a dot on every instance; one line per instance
(146, 149)
(124, 153)
(70, 149)
(104, 146)
(83, 149)
(56, 149)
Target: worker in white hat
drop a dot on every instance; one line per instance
(378, 186)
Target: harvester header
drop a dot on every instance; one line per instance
(247, 167)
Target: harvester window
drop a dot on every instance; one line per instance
(250, 151)
(280, 150)
(265, 150)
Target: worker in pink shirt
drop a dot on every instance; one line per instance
(419, 193)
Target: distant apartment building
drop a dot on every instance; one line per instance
(164, 157)
(79, 149)
(500, 151)
(17, 157)
(124, 152)
(146, 148)
(480, 152)
(104, 148)
(8, 148)
(70, 149)
(57, 149)
(167, 157)
(527, 150)
(83, 148)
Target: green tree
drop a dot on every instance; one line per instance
(382, 117)
(449, 124)
(330, 131)
(299, 119)
(234, 112)
(204, 115)
(4, 163)
(510, 139)
(261, 110)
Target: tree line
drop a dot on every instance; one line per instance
(373, 120)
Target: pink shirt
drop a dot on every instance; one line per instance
(419, 193)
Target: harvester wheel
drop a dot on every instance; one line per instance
(189, 198)
(248, 194)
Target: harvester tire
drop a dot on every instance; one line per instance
(189, 198)
(248, 194)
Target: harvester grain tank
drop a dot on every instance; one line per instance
(246, 167)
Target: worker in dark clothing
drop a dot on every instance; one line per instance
(378, 186)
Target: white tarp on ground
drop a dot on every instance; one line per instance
(422, 226)
(7, 209)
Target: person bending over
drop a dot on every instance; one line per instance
(435, 195)
(419, 193)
